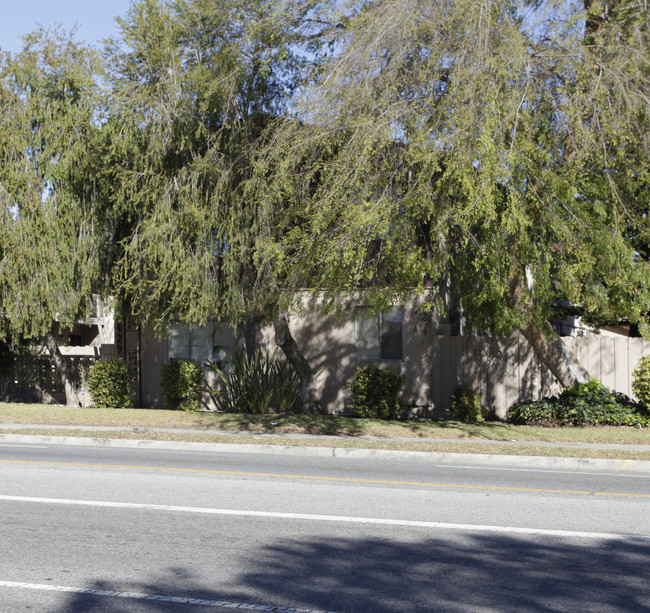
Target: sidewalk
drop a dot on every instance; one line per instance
(467, 459)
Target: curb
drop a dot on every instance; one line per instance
(458, 459)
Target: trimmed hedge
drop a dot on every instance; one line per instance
(641, 381)
(375, 392)
(465, 406)
(181, 385)
(108, 382)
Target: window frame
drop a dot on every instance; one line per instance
(198, 340)
(379, 317)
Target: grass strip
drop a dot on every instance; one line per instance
(430, 445)
(204, 423)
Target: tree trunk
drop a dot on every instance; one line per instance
(552, 351)
(64, 371)
(546, 343)
(286, 342)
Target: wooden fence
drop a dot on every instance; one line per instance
(507, 371)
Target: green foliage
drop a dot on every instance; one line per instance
(50, 235)
(181, 385)
(465, 406)
(192, 85)
(641, 381)
(586, 404)
(49, 239)
(444, 151)
(258, 383)
(108, 382)
(375, 392)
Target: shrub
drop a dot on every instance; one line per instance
(108, 382)
(465, 405)
(641, 381)
(181, 385)
(585, 404)
(258, 383)
(375, 392)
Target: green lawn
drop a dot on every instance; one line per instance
(431, 435)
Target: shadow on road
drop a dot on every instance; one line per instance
(459, 573)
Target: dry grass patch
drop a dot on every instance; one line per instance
(427, 445)
(13, 413)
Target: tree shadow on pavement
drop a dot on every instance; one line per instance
(459, 573)
(470, 573)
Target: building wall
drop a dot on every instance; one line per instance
(504, 372)
(328, 344)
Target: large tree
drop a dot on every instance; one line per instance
(192, 86)
(494, 149)
(48, 244)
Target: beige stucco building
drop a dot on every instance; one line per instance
(334, 346)
(431, 354)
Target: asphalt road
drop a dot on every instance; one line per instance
(100, 529)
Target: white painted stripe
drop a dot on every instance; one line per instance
(158, 597)
(332, 518)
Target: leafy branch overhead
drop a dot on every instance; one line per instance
(488, 155)
(494, 151)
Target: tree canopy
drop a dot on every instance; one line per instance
(192, 86)
(49, 259)
(47, 131)
(495, 149)
(218, 156)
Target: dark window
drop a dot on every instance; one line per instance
(379, 336)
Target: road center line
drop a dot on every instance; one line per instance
(237, 473)
(329, 518)
(156, 597)
(543, 470)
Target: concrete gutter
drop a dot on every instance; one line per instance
(457, 459)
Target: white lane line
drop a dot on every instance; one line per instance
(157, 597)
(332, 518)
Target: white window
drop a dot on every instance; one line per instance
(379, 336)
(214, 342)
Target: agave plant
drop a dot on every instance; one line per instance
(256, 383)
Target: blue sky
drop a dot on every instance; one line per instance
(94, 18)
